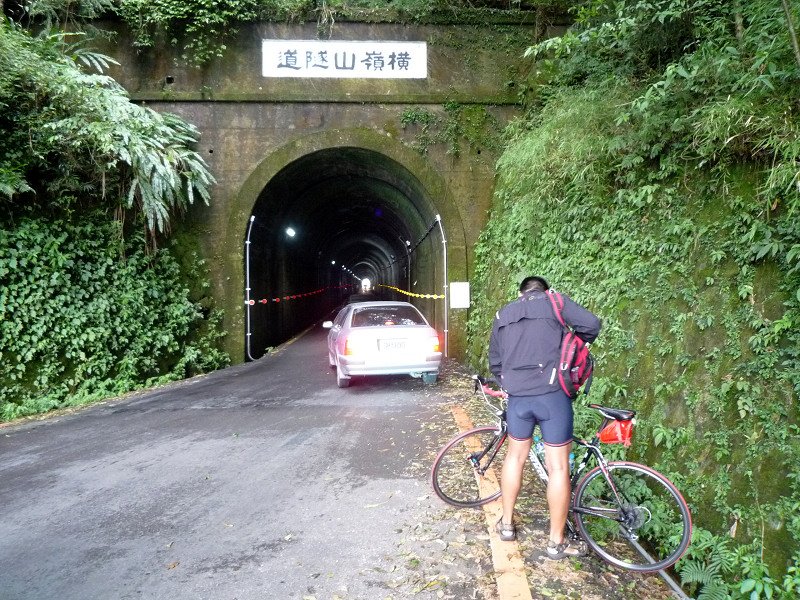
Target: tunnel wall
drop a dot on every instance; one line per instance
(251, 127)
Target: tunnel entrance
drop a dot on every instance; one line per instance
(324, 223)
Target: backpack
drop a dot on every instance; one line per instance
(576, 363)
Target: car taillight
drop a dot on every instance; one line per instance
(435, 344)
(355, 345)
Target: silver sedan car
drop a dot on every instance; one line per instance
(382, 338)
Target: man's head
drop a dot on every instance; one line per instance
(534, 283)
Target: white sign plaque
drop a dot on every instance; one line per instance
(459, 294)
(340, 59)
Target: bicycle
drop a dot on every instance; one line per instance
(629, 514)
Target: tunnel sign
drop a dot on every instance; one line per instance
(339, 59)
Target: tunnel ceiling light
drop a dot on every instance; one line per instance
(290, 232)
(333, 262)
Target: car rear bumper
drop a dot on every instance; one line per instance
(360, 366)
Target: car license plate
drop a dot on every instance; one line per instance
(392, 345)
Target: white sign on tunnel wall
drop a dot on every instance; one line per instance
(327, 58)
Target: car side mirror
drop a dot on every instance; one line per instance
(327, 324)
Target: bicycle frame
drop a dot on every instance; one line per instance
(492, 448)
(502, 425)
(591, 450)
(538, 467)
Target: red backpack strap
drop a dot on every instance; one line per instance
(569, 347)
(557, 302)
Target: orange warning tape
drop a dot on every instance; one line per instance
(296, 296)
(391, 287)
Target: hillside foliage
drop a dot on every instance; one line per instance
(86, 315)
(89, 186)
(656, 178)
(74, 140)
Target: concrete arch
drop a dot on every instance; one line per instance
(363, 163)
(367, 139)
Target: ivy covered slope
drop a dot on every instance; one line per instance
(656, 180)
(81, 321)
(89, 305)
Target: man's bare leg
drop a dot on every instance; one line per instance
(511, 476)
(558, 489)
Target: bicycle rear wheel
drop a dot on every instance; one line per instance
(635, 519)
(466, 472)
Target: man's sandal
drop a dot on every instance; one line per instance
(507, 533)
(562, 550)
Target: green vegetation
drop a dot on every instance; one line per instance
(79, 322)
(656, 180)
(458, 124)
(200, 29)
(73, 139)
(89, 184)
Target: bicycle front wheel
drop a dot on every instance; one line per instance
(466, 472)
(634, 518)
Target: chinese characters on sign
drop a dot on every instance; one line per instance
(362, 60)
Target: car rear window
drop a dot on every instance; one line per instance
(387, 315)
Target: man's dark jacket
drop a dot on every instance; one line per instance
(526, 342)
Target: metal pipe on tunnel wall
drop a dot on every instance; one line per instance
(444, 258)
(248, 301)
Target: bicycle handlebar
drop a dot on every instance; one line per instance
(495, 393)
(483, 384)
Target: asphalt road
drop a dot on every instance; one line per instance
(262, 481)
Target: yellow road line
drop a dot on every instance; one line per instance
(509, 568)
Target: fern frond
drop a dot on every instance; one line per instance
(695, 571)
(94, 60)
(714, 590)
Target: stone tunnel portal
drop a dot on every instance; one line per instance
(325, 222)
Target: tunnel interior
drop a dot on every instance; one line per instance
(323, 224)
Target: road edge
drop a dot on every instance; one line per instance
(509, 568)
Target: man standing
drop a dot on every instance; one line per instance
(524, 351)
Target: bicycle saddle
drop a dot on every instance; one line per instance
(620, 414)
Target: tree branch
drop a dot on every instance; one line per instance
(739, 23)
(792, 33)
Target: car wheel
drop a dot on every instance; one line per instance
(429, 378)
(341, 380)
(331, 362)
